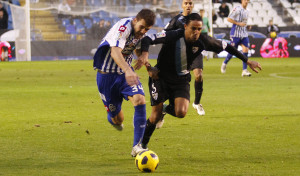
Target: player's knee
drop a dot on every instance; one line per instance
(180, 113)
(139, 100)
(199, 77)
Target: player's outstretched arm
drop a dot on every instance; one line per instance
(131, 77)
(142, 60)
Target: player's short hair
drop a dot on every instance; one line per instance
(148, 15)
(193, 17)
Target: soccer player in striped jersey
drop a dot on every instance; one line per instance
(238, 34)
(116, 78)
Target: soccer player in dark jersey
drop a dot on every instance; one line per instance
(178, 23)
(115, 77)
(170, 78)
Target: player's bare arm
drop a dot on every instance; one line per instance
(242, 24)
(130, 76)
(142, 60)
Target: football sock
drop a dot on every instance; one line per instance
(148, 133)
(229, 56)
(171, 110)
(198, 91)
(109, 119)
(245, 63)
(139, 122)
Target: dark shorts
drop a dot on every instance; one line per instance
(169, 87)
(197, 63)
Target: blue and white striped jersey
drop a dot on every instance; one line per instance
(239, 14)
(120, 35)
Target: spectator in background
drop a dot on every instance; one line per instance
(63, 9)
(3, 21)
(98, 30)
(223, 10)
(214, 16)
(107, 25)
(272, 28)
(205, 23)
(4, 11)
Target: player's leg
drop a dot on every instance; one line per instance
(137, 97)
(234, 42)
(181, 95)
(181, 106)
(245, 48)
(139, 117)
(155, 116)
(109, 93)
(197, 67)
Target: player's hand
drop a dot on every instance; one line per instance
(242, 24)
(153, 73)
(131, 77)
(142, 60)
(254, 65)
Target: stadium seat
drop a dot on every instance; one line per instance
(256, 5)
(76, 22)
(250, 21)
(80, 29)
(252, 13)
(266, 5)
(71, 29)
(262, 13)
(65, 21)
(88, 23)
(271, 13)
(96, 20)
(258, 21)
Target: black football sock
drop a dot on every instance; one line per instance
(170, 110)
(148, 133)
(198, 91)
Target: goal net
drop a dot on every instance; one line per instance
(72, 29)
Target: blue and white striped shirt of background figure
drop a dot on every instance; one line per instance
(239, 14)
(120, 35)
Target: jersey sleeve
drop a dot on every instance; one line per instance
(215, 45)
(163, 37)
(118, 34)
(234, 13)
(171, 25)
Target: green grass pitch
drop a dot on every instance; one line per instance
(52, 122)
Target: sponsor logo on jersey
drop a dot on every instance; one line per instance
(106, 108)
(122, 28)
(161, 34)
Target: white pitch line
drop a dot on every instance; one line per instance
(284, 77)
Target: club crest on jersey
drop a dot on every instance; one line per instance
(112, 108)
(122, 28)
(195, 49)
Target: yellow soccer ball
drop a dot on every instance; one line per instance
(273, 34)
(146, 161)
